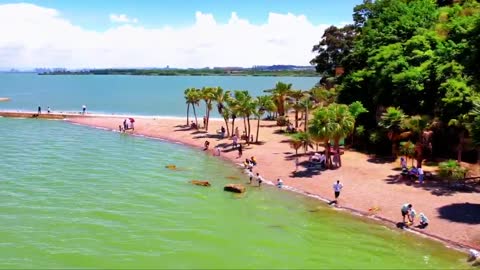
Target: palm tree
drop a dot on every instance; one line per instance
(320, 130)
(264, 103)
(461, 123)
(341, 124)
(279, 94)
(295, 144)
(245, 107)
(296, 95)
(356, 108)
(233, 110)
(323, 96)
(304, 138)
(417, 125)
(408, 150)
(208, 95)
(392, 120)
(222, 98)
(186, 92)
(307, 105)
(192, 96)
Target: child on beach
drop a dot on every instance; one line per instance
(279, 183)
(411, 216)
(259, 179)
(235, 141)
(250, 175)
(423, 221)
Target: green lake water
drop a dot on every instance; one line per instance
(77, 197)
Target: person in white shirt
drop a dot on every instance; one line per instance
(279, 183)
(259, 179)
(250, 175)
(420, 175)
(423, 221)
(337, 187)
(412, 215)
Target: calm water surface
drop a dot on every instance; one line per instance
(76, 197)
(140, 95)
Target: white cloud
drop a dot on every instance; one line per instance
(34, 36)
(122, 18)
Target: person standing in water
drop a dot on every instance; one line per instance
(48, 110)
(84, 109)
(39, 110)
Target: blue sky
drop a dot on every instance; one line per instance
(157, 33)
(93, 14)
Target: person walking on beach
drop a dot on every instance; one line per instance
(250, 176)
(240, 150)
(420, 175)
(337, 187)
(84, 109)
(406, 210)
(48, 110)
(279, 183)
(235, 141)
(39, 110)
(259, 179)
(204, 122)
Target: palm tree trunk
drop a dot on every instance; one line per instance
(188, 112)
(306, 119)
(249, 127)
(327, 153)
(296, 118)
(195, 113)
(478, 155)
(245, 124)
(337, 151)
(226, 124)
(419, 151)
(233, 126)
(460, 146)
(258, 129)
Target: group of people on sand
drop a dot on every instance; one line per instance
(408, 211)
(414, 172)
(49, 110)
(127, 125)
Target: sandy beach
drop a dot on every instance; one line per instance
(368, 183)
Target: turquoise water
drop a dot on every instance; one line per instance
(139, 95)
(77, 197)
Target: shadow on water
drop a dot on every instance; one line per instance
(461, 212)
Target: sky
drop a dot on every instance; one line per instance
(159, 33)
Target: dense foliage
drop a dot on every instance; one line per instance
(418, 57)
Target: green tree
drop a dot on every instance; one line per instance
(408, 150)
(335, 45)
(392, 120)
(302, 138)
(341, 124)
(320, 130)
(279, 95)
(461, 125)
(296, 95)
(192, 97)
(222, 98)
(356, 108)
(264, 103)
(418, 126)
(208, 95)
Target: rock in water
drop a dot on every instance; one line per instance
(200, 183)
(237, 188)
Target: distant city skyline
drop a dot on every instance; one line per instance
(182, 34)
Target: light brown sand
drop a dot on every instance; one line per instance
(366, 183)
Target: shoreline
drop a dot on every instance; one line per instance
(168, 129)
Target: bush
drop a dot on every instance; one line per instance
(451, 171)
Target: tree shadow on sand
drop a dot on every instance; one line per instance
(461, 212)
(435, 187)
(381, 160)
